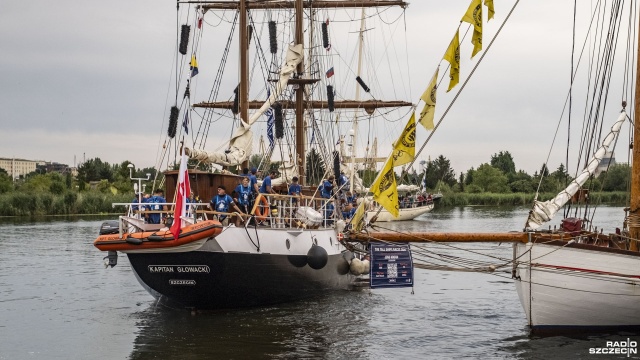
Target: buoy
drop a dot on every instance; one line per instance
(317, 257)
(365, 267)
(355, 266)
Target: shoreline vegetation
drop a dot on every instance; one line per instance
(98, 184)
(97, 203)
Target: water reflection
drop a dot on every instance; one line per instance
(334, 326)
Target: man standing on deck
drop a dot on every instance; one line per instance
(266, 183)
(155, 201)
(253, 179)
(243, 193)
(221, 203)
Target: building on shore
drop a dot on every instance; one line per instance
(21, 167)
(18, 167)
(608, 161)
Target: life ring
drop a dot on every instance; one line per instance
(262, 208)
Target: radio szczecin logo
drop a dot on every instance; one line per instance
(617, 347)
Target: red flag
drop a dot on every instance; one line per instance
(200, 23)
(330, 72)
(183, 191)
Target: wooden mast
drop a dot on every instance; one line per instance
(300, 157)
(634, 202)
(243, 91)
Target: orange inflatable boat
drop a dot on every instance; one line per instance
(158, 239)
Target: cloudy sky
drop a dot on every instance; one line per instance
(85, 79)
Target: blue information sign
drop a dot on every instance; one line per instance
(391, 265)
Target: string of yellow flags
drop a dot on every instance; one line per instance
(385, 187)
(473, 15)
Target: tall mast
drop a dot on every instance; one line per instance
(634, 203)
(355, 116)
(300, 151)
(243, 91)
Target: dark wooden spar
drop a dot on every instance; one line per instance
(440, 237)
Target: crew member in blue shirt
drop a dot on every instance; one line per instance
(266, 183)
(253, 179)
(243, 195)
(155, 201)
(343, 181)
(328, 212)
(222, 202)
(137, 201)
(327, 187)
(295, 189)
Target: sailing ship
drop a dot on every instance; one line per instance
(577, 276)
(285, 247)
(412, 203)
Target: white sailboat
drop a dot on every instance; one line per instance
(579, 277)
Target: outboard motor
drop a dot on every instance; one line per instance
(111, 259)
(109, 227)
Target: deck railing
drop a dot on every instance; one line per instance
(268, 210)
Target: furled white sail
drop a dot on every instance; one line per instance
(357, 181)
(544, 211)
(287, 171)
(241, 142)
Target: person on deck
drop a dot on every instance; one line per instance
(266, 183)
(348, 212)
(221, 203)
(327, 187)
(253, 179)
(243, 195)
(328, 213)
(343, 180)
(295, 189)
(350, 198)
(156, 200)
(136, 203)
(191, 209)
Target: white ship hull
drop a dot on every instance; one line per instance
(578, 287)
(405, 213)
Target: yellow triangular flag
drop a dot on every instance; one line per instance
(452, 55)
(357, 221)
(474, 17)
(385, 188)
(490, 11)
(429, 98)
(404, 149)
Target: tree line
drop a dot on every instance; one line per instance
(99, 183)
(500, 176)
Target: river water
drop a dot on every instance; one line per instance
(57, 301)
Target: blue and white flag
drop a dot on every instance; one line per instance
(185, 122)
(270, 121)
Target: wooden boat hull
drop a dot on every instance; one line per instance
(405, 213)
(229, 271)
(155, 241)
(577, 287)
